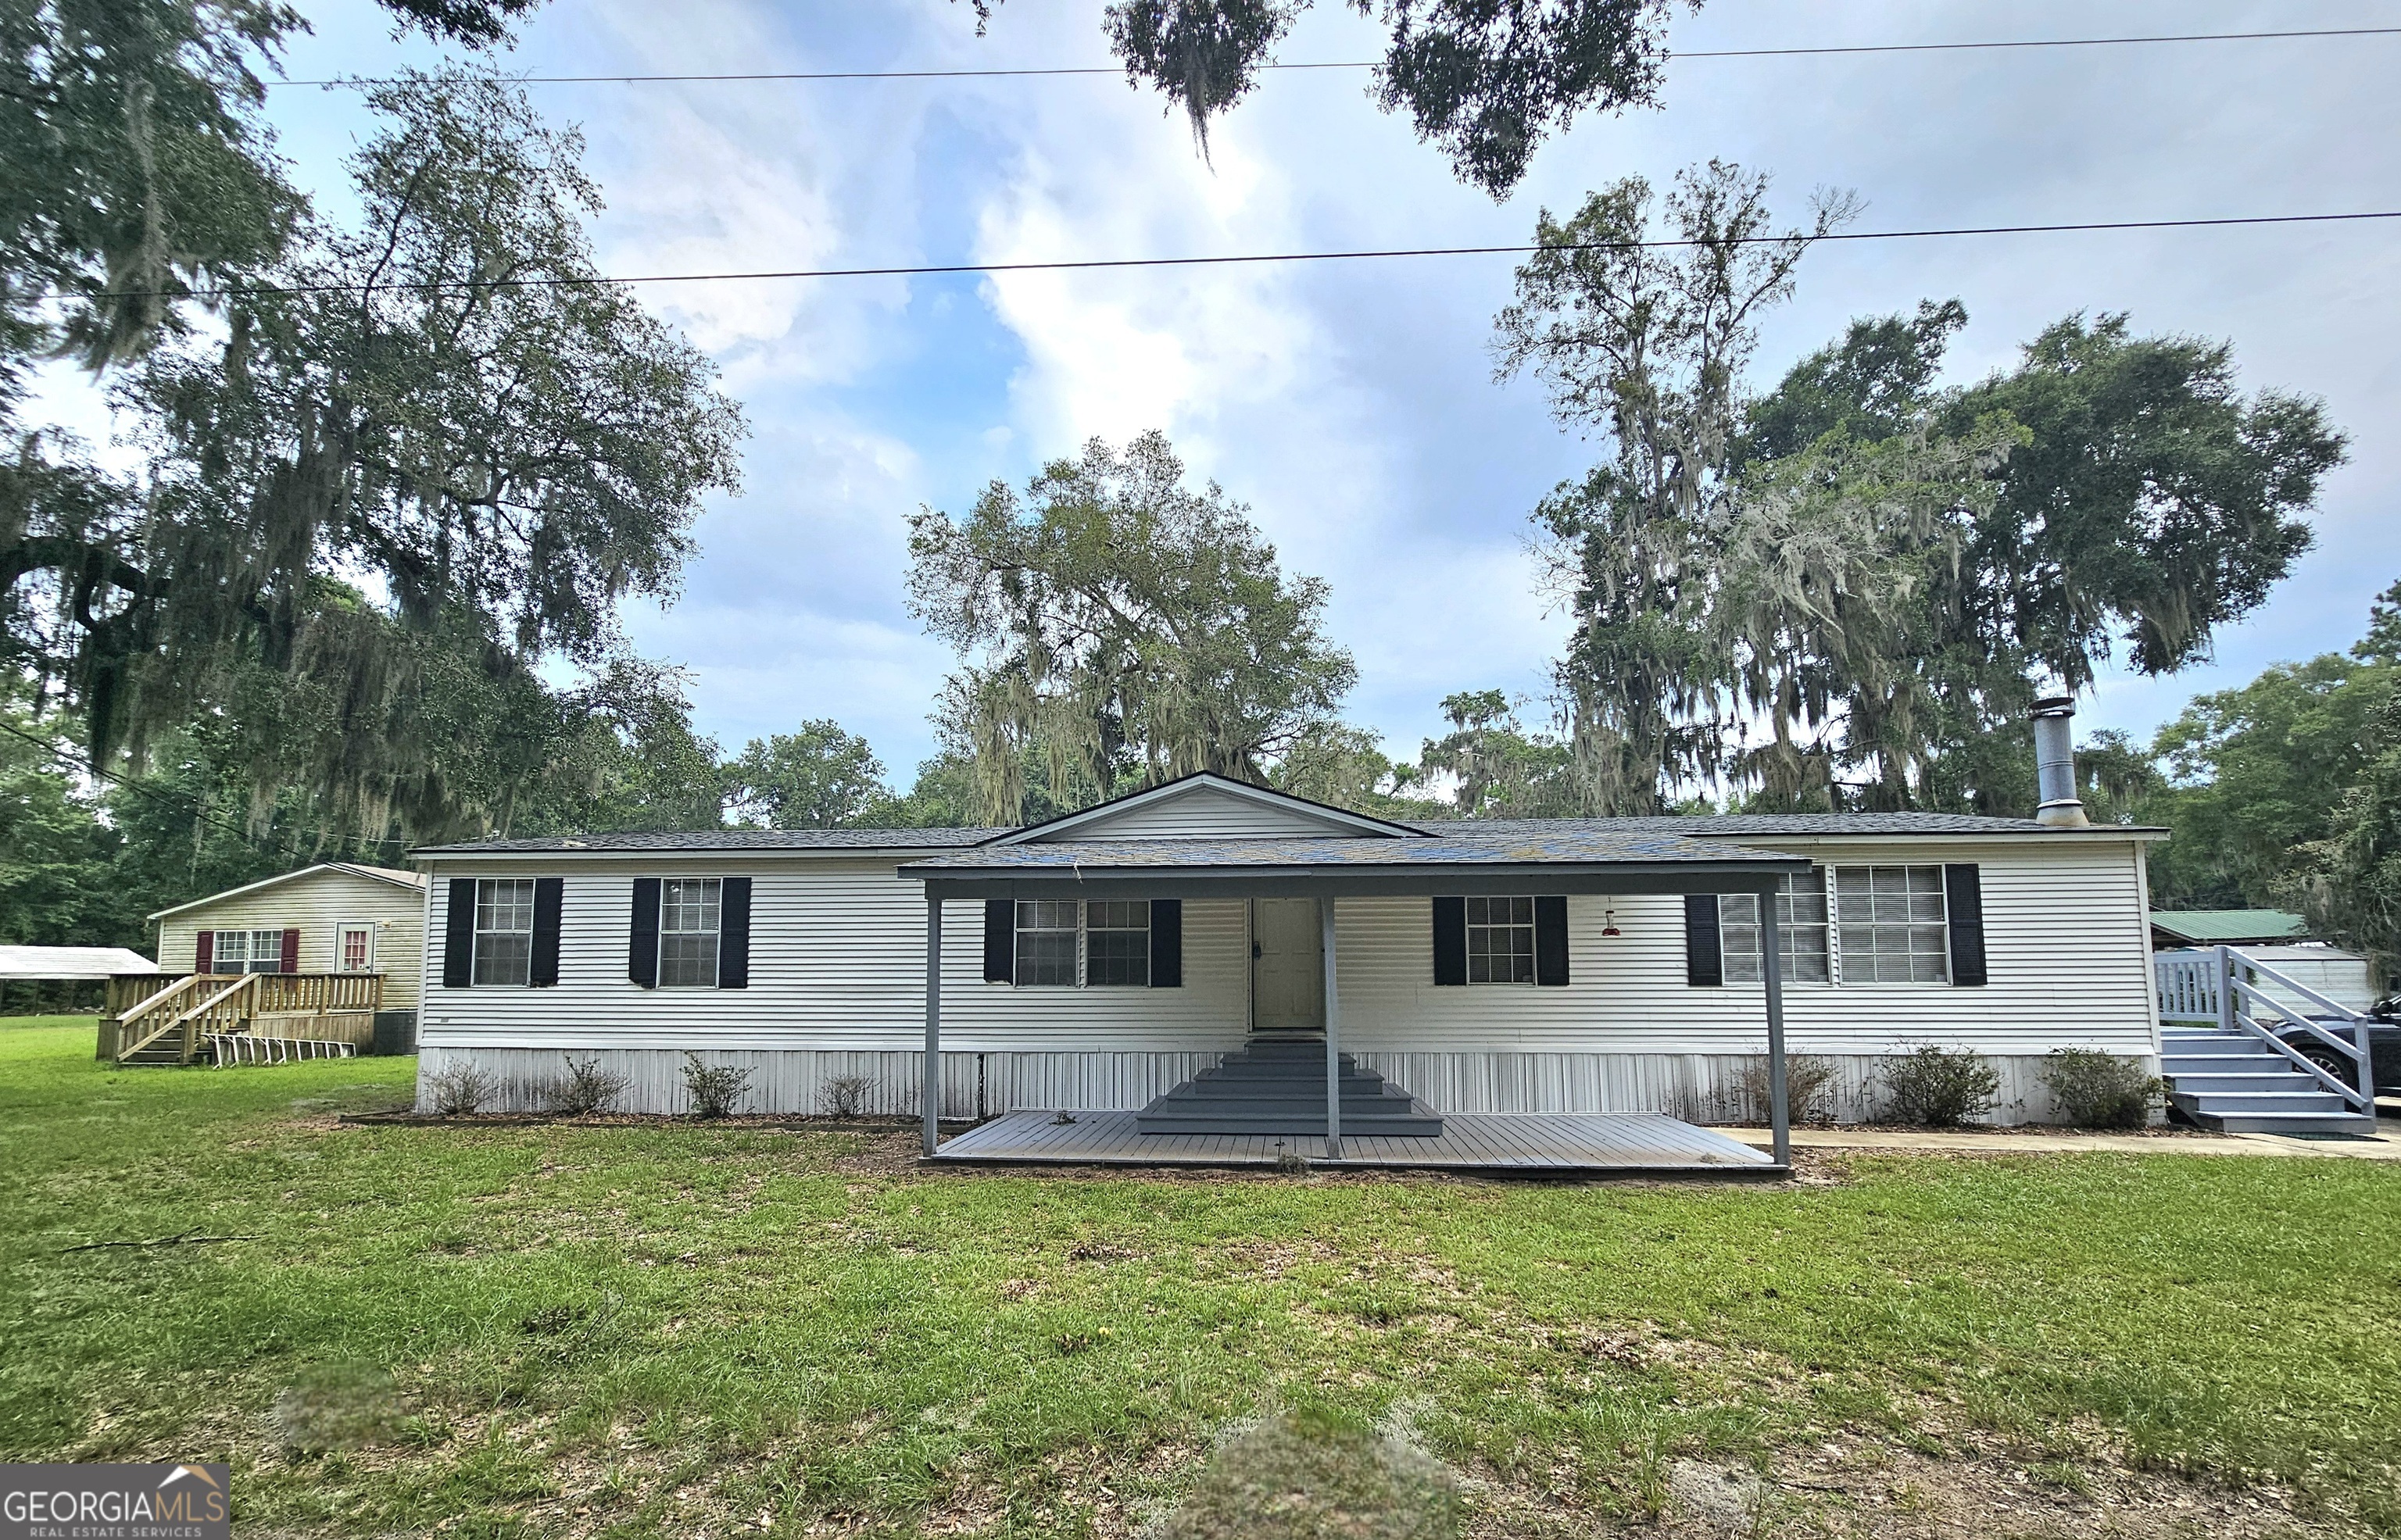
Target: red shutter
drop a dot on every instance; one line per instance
(291, 963)
(204, 951)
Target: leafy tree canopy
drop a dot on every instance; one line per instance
(1645, 346)
(2350, 881)
(1486, 80)
(819, 778)
(1498, 768)
(440, 403)
(2252, 779)
(1842, 593)
(1120, 627)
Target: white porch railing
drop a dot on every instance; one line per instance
(2225, 988)
(2187, 984)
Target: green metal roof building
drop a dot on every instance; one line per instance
(2224, 927)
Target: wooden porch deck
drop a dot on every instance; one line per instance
(1525, 1143)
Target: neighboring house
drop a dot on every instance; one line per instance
(334, 918)
(2172, 928)
(1103, 960)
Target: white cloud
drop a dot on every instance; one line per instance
(1351, 403)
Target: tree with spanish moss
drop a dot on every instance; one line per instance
(1485, 81)
(442, 396)
(1116, 628)
(1843, 592)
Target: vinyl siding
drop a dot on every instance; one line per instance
(316, 904)
(837, 965)
(837, 962)
(2065, 943)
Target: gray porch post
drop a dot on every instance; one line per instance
(931, 1094)
(1771, 947)
(1333, 1037)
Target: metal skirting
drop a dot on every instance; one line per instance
(1527, 1143)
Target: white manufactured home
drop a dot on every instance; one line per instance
(1209, 957)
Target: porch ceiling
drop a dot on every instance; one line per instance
(1568, 860)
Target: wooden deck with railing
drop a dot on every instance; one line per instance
(177, 1018)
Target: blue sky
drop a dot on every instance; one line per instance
(1352, 405)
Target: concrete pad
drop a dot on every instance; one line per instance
(2385, 1145)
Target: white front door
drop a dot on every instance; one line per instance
(1287, 966)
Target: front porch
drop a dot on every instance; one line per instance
(1498, 915)
(1562, 1144)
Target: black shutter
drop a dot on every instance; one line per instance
(1963, 898)
(1451, 941)
(999, 941)
(1167, 943)
(642, 947)
(734, 934)
(459, 934)
(549, 899)
(1704, 957)
(1551, 940)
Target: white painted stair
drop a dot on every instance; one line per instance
(2235, 1084)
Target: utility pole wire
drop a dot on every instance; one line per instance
(1671, 56)
(198, 806)
(1089, 264)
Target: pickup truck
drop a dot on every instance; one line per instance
(2384, 1046)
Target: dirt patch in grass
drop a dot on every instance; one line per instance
(1894, 1494)
(1878, 1492)
(1311, 1475)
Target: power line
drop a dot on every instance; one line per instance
(1370, 64)
(197, 805)
(1086, 264)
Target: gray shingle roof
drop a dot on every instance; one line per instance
(729, 840)
(1552, 833)
(1739, 826)
(1524, 845)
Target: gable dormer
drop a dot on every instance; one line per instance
(1205, 806)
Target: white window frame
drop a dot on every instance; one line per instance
(478, 931)
(342, 932)
(1084, 947)
(1845, 967)
(1785, 929)
(1511, 925)
(1082, 931)
(249, 949)
(712, 901)
(1045, 911)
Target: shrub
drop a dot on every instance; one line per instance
(1808, 1087)
(845, 1095)
(461, 1088)
(587, 1087)
(716, 1089)
(1939, 1089)
(2091, 1089)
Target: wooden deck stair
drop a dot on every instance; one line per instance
(209, 1018)
(2236, 1084)
(1277, 1085)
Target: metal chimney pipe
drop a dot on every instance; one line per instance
(2054, 764)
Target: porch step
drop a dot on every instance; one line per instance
(2235, 1084)
(1278, 1087)
(167, 1050)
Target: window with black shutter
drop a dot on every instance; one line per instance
(1963, 890)
(1704, 957)
(1449, 940)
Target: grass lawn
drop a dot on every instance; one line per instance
(699, 1329)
